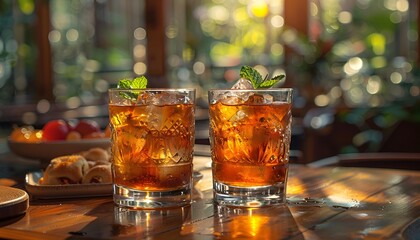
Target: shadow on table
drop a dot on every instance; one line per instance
(10, 220)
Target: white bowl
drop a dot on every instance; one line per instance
(45, 151)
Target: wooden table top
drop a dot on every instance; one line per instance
(323, 203)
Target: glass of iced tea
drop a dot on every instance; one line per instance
(250, 133)
(152, 136)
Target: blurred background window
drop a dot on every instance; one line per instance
(18, 51)
(93, 43)
(353, 52)
(366, 52)
(90, 45)
(208, 41)
(356, 60)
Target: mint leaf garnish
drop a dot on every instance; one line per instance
(136, 83)
(271, 82)
(256, 79)
(252, 75)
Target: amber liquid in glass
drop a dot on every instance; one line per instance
(250, 143)
(152, 146)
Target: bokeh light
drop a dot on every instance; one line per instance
(54, 36)
(322, 100)
(140, 68)
(43, 106)
(395, 77)
(219, 13)
(140, 33)
(72, 35)
(199, 68)
(258, 8)
(277, 21)
(345, 17)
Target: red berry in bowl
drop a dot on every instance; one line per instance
(71, 124)
(55, 130)
(87, 127)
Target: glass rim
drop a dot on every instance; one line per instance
(253, 90)
(153, 89)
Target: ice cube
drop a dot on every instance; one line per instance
(183, 99)
(260, 99)
(230, 99)
(164, 98)
(243, 83)
(238, 116)
(255, 99)
(268, 98)
(155, 117)
(233, 97)
(146, 98)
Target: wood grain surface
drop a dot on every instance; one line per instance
(323, 203)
